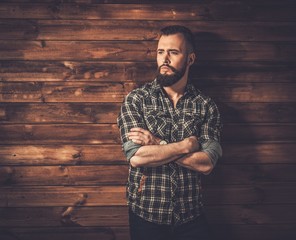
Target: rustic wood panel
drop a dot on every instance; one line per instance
(233, 153)
(117, 174)
(108, 133)
(62, 196)
(62, 92)
(209, 10)
(142, 30)
(202, 72)
(64, 175)
(142, 51)
(57, 217)
(233, 232)
(59, 134)
(115, 92)
(61, 154)
(117, 216)
(59, 196)
(62, 233)
(108, 112)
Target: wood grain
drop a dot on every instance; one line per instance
(203, 72)
(142, 30)
(142, 51)
(210, 10)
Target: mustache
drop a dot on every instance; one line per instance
(166, 65)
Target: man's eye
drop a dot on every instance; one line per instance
(174, 53)
(160, 52)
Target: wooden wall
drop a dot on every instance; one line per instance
(65, 67)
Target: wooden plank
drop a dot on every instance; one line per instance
(61, 196)
(232, 231)
(59, 134)
(29, 113)
(95, 175)
(73, 70)
(233, 153)
(211, 72)
(57, 217)
(109, 134)
(62, 233)
(61, 92)
(252, 92)
(254, 231)
(218, 50)
(64, 175)
(257, 153)
(251, 174)
(277, 112)
(142, 30)
(251, 214)
(115, 92)
(61, 154)
(217, 10)
(250, 194)
(59, 112)
(117, 216)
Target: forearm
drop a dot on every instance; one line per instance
(156, 155)
(197, 161)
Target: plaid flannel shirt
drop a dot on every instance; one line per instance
(167, 194)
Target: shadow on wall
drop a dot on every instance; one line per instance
(213, 70)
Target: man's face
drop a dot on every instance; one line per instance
(172, 59)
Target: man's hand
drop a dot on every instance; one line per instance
(192, 144)
(143, 137)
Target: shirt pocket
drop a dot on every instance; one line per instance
(157, 122)
(191, 124)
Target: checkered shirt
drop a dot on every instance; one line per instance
(167, 194)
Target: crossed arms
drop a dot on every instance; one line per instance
(185, 153)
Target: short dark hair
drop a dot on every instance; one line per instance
(186, 32)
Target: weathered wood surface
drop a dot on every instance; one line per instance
(200, 10)
(59, 196)
(233, 232)
(115, 92)
(233, 153)
(142, 51)
(108, 133)
(117, 216)
(65, 67)
(142, 30)
(63, 233)
(64, 175)
(202, 72)
(243, 174)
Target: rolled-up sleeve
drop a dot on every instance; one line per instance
(130, 116)
(210, 133)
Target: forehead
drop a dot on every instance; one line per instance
(174, 41)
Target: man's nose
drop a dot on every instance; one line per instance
(166, 58)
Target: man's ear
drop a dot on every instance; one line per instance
(191, 58)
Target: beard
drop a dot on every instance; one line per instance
(165, 80)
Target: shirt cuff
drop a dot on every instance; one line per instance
(213, 149)
(130, 148)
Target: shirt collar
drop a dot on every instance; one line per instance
(190, 90)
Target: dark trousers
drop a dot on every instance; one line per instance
(140, 229)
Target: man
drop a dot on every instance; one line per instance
(170, 133)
